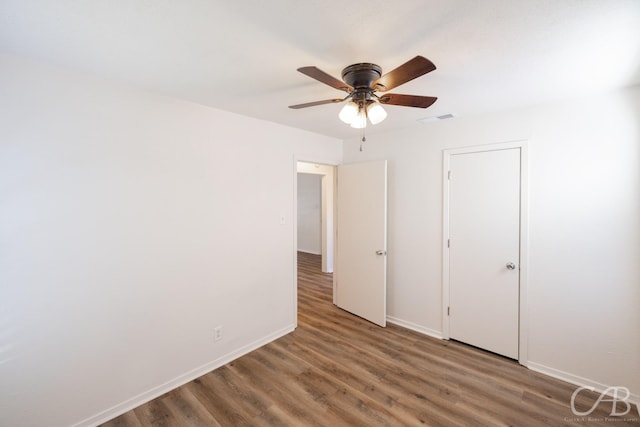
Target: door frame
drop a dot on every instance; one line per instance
(524, 231)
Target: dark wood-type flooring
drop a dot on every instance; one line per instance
(339, 370)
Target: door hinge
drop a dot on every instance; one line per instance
(448, 311)
(448, 243)
(449, 175)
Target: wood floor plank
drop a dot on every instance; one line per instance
(337, 369)
(156, 414)
(225, 409)
(128, 419)
(186, 408)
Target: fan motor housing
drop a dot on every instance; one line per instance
(361, 75)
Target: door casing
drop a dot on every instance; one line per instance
(524, 173)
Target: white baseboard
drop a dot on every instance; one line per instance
(579, 381)
(414, 327)
(161, 389)
(555, 373)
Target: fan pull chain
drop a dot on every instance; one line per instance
(363, 140)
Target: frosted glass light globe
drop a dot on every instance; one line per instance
(349, 112)
(376, 113)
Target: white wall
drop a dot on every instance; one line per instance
(584, 232)
(309, 213)
(127, 222)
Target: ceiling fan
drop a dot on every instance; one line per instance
(362, 81)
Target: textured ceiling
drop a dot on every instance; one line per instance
(242, 56)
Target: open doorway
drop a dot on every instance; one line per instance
(310, 213)
(316, 211)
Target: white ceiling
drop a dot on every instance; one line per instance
(242, 55)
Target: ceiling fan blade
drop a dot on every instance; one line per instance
(321, 76)
(313, 104)
(407, 100)
(404, 73)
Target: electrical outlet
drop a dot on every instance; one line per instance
(217, 333)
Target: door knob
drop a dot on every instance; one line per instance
(381, 252)
(511, 266)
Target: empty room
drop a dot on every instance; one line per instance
(322, 213)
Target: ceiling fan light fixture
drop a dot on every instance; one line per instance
(361, 82)
(376, 113)
(349, 112)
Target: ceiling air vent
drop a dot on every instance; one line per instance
(436, 118)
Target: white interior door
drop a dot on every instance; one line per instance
(484, 253)
(361, 265)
